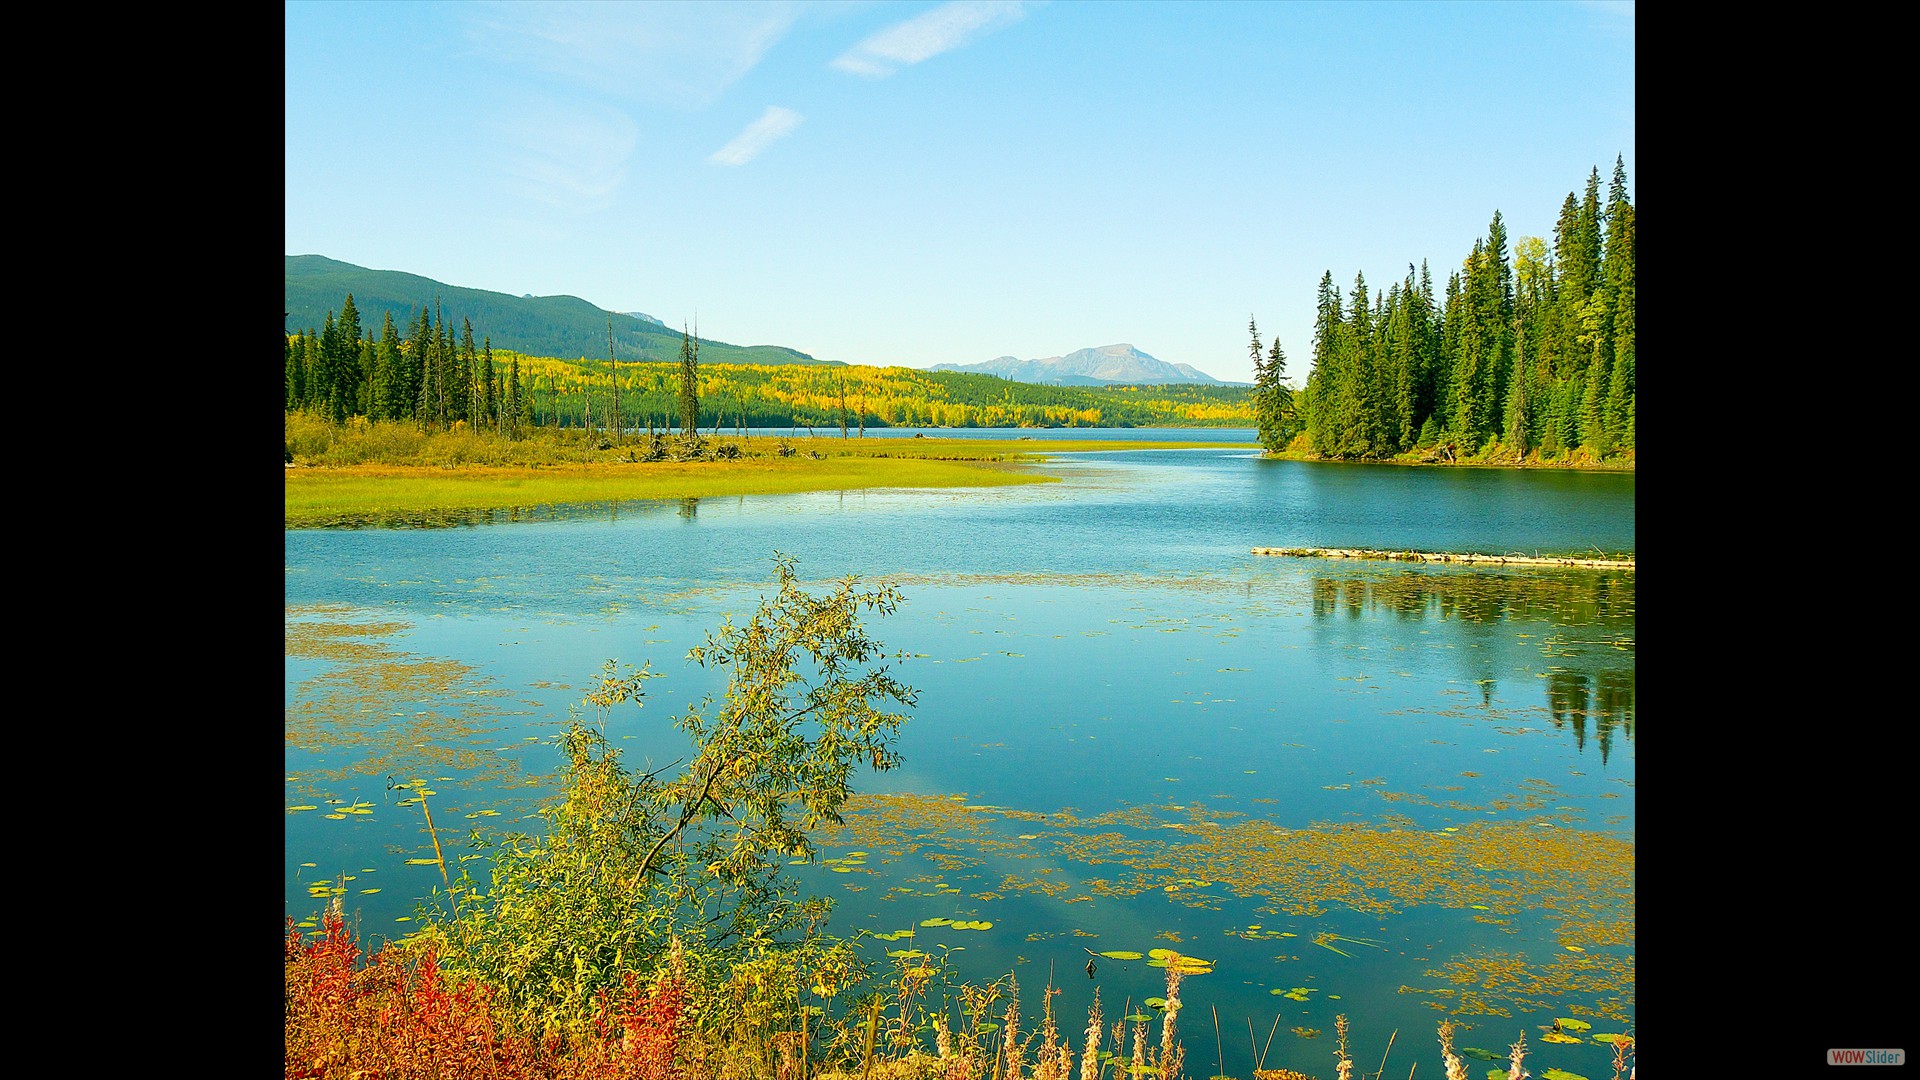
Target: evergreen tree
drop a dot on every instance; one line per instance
(349, 324)
(466, 372)
(334, 376)
(490, 404)
(420, 349)
(614, 365)
(1593, 425)
(369, 363)
(315, 397)
(1405, 328)
(446, 376)
(1519, 402)
(516, 410)
(1323, 380)
(689, 385)
(1591, 227)
(1618, 274)
(1272, 398)
(1471, 385)
(388, 401)
(296, 374)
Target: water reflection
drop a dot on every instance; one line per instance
(1583, 622)
(1605, 697)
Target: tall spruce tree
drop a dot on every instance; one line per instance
(490, 404)
(1519, 436)
(1273, 405)
(516, 409)
(1618, 274)
(689, 384)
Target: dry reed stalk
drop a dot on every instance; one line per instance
(1053, 1052)
(1620, 1057)
(1516, 1069)
(1343, 1061)
(1220, 1055)
(1139, 1047)
(1170, 1051)
(436, 842)
(1010, 1034)
(1090, 1057)
(1382, 1071)
(1456, 1070)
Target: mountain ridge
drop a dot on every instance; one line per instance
(1104, 365)
(562, 327)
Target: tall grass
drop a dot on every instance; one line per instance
(394, 1015)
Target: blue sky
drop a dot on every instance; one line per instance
(923, 183)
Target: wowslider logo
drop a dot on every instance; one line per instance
(1866, 1057)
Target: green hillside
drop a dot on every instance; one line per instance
(558, 326)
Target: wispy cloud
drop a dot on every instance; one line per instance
(681, 54)
(774, 124)
(1615, 16)
(570, 155)
(946, 27)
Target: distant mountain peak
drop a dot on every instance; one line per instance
(1103, 365)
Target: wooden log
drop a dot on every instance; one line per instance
(1450, 557)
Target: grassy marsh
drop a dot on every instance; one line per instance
(358, 474)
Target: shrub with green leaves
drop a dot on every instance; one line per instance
(630, 863)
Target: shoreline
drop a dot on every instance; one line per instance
(1449, 557)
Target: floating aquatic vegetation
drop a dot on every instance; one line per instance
(1561, 1074)
(397, 710)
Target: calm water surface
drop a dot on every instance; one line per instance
(1132, 733)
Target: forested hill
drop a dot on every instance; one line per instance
(557, 326)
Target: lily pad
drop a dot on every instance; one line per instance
(423, 862)
(1572, 1025)
(1611, 1038)
(1560, 1074)
(936, 922)
(1478, 1054)
(291, 809)
(1562, 1037)
(1121, 954)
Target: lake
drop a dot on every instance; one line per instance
(1393, 791)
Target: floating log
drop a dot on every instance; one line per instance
(1448, 557)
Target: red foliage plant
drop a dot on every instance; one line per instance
(396, 1017)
